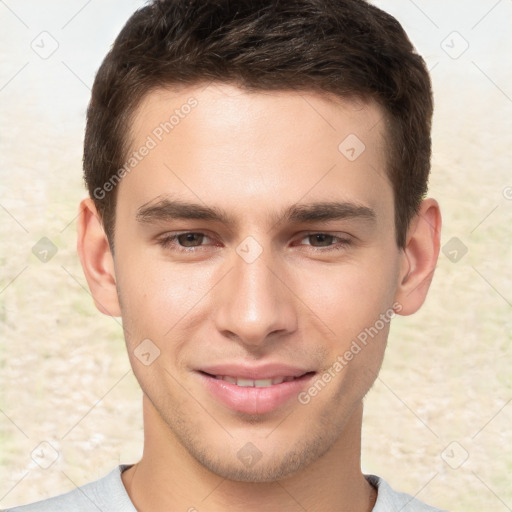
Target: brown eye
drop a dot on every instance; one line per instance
(324, 242)
(322, 239)
(190, 239)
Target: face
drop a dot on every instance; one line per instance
(255, 241)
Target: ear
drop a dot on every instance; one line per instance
(419, 257)
(96, 258)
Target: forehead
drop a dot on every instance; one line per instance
(224, 145)
(238, 108)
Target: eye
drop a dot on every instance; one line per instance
(323, 239)
(326, 241)
(190, 239)
(187, 241)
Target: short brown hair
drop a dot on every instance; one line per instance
(343, 47)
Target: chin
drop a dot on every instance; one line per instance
(261, 472)
(264, 467)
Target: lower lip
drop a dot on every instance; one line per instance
(253, 400)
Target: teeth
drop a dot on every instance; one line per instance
(245, 383)
(250, 383)
(264, 383)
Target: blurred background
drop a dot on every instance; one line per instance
(438, 419)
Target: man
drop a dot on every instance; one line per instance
(257, 173)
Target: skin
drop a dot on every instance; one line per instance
(253, 155)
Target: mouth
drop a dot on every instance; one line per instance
(255, 383)
(254, 395)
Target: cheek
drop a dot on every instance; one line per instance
(348, 298)
(156, 295)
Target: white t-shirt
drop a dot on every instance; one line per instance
(108, 494)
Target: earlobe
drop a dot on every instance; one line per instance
(419, 257)
(96, 258)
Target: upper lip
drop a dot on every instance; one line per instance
(265, 371)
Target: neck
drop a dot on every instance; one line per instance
(168, 478)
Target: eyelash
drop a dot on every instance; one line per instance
(168, 240)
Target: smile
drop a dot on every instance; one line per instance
(256, 395)
(256, 383)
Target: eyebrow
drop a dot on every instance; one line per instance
(325, 211)
(166, 209)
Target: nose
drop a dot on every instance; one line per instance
(254, 303)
